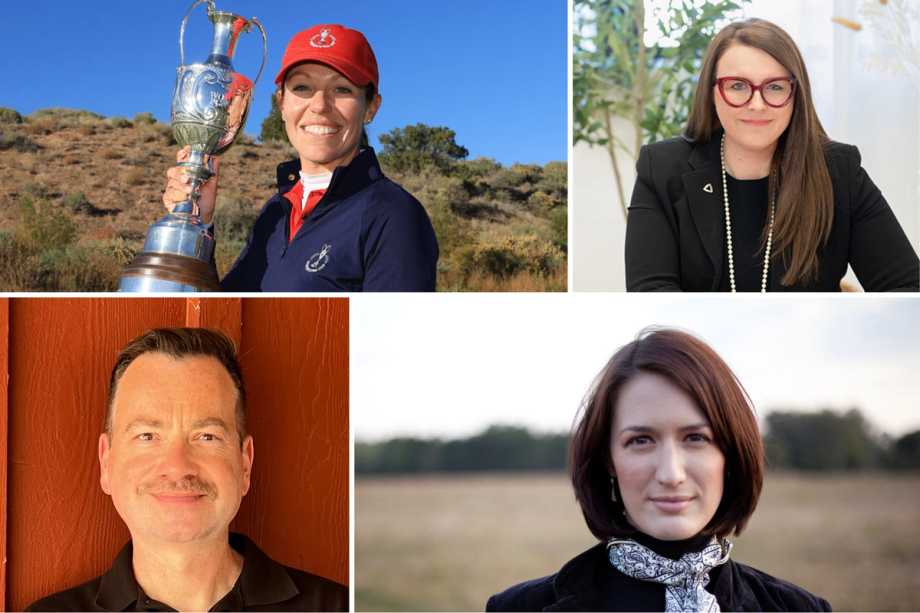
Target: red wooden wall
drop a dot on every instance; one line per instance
(58, 529)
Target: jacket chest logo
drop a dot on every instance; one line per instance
(319, 260)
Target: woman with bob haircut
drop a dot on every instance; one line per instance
(754, 196)
(666, 461)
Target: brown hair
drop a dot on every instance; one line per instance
(805, 204)
(179, 343)
(692, 365)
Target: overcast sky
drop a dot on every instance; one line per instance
(450, 365)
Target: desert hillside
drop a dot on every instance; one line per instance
(80, 190)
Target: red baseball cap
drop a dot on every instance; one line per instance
(344, 49)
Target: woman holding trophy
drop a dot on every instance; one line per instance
(337, 223)
(755, 196)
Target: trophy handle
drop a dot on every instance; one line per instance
(211, 9)
(264, 44)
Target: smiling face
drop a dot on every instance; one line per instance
(324, 114)
(669, 470)
(174, 467)
(755, 127)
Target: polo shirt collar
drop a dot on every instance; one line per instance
(358, 174)
(262, 582)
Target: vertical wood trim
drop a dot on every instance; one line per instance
(222, 313)
(4, 450)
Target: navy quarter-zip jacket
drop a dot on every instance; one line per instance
(366, 234)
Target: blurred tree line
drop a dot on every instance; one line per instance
(821, 441)
(498, 448)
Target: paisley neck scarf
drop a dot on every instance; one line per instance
(684, 579)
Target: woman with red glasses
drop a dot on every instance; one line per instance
(755, 196)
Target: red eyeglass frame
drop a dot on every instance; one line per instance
(720, 80)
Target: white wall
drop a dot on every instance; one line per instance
(876, 111)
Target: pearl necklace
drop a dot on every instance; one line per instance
(728, 230)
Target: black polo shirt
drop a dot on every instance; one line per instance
(263, 585)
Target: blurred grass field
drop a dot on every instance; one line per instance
(446, 543)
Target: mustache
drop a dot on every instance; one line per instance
(190, 484)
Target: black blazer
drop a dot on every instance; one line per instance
(738, 588)
(675, 232)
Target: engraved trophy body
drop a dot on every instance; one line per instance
(209, 109)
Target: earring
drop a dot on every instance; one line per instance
(282, 117)
(613, 489)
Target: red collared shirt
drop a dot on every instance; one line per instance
(298, 214)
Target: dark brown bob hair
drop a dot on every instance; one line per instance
(805, 204)
(180, 343)
(693, 366)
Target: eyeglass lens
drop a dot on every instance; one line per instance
(774, 93)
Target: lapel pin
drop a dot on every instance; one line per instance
(708, 188)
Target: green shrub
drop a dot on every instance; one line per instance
(34, 190)
(73, 115)
(8, 115)
(273, 128)
(16, 140)
(44, 227)
(505, 178)
(527, 173)
(555, 180)
(95, 266)
(77, 203)
(512, 254)
(479, 168)
(559, 228)
(144, 118)
(164, 134)
(234, 216)
(18, 268)
(120, 122)
(539, 201)
(225, 254)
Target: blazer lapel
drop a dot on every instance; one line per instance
(703, 187)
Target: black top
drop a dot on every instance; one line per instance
(675, 233)
(586, 583)
(263, 585)
(750, 214)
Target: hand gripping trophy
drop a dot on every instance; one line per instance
(209, 109)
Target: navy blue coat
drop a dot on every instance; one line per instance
(366, 234)
(738, 588)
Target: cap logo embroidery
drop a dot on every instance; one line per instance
(324, 41)
(319, 260)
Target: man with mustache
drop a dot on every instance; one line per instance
(176, 460)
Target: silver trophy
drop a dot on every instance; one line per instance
(209, 109)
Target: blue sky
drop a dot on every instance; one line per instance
(494, 72)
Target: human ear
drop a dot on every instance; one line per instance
(248, 454)
(104, 448)
(373, 106)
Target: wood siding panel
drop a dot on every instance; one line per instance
(4, 386)
(63, 530)
(298, 507)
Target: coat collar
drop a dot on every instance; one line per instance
(346, 180)
(707, 208)
(703, 186)
(575, 590)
